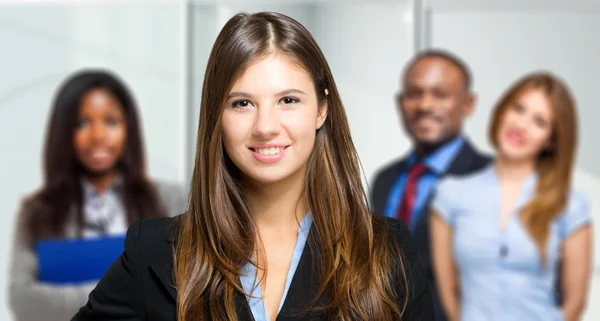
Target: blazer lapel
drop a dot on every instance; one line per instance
(165, 275)
(302, 291)
(304, 286)
(242, 308)
(163, 267)
(164, 272)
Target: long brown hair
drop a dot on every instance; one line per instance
(48, 210)
(355, 259)
(554, 164)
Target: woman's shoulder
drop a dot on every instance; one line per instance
(28, 206)
(153, 237)
(577, 200)
(577, 204)
(577, 207)
(31, 201)
(139, 276)
(575, 215)
(162, 229)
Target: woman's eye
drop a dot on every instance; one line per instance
(112, 122)
(289, 100)
(82, 123)
(241, 104)
(541, 123)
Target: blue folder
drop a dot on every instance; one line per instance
(72, 261)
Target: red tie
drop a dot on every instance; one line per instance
(407, 206)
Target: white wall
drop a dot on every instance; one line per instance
(41, 44)
(512, 5)
(366, 46)
(501, 45)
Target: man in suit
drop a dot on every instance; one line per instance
(434, 101)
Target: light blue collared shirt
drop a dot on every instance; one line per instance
(501, 274)
(250, 284)
(437, 163)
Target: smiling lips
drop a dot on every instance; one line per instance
(269, 153)
(515, 138)
(98, 155)
(425, 122)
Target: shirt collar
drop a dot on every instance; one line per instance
(439, 161)
(529, 185)
(305, 223)
(248, 270)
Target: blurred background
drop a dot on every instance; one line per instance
(160, 49)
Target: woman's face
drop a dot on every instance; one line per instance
(526, 127)
(270, 120)
(101, 132)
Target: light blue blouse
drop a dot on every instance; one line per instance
(501, 274)
(251, 286)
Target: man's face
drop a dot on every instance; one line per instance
(434, 101)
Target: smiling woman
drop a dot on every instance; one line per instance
(278, 226)
(508, 232)
(270, 133)
(95, 185)
(101, 132)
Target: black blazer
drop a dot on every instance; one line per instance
(140, 284)
(467, 161)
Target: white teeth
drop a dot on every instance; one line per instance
(99, 154)
(269, 151)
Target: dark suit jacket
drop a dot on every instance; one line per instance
(140, 284)
(467, 161)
